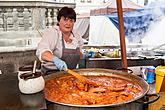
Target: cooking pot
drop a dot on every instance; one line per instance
(137, 103)
(30, 83)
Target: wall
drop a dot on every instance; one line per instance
(11, 61)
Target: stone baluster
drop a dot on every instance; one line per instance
(26, 16)
(38, 18)
(46, 17)
(20, 19)
(4, 19)
(1, 20)
(30, 19)
(9, 19)
(49, 19)
(54, 17)
(15, 19)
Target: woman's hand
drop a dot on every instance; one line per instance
(61, 65)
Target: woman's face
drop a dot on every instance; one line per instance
(66, 24)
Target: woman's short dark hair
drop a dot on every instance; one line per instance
(67, 13)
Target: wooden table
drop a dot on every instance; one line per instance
(12, 99)
(159, 104)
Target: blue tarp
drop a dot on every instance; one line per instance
(136, 23)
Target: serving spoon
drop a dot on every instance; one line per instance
(82, 78)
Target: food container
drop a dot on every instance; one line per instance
(160, 80)
(150, 74)
(30, 83)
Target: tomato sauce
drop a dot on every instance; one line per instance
(69, 90)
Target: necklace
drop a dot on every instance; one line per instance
(67, 39)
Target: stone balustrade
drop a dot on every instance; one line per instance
(21, 26)
(29, 15)
(24, 20)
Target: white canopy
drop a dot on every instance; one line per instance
(125, 4)
(111, 7)
(82, 25)
(103, 32)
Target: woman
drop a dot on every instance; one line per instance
(60, 47)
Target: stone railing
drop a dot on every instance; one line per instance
(28, 15)
(27, 18)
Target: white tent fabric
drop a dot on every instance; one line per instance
(82, 26)
(111, 7)
(125, 4)
(102, 32)
(140, 2)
